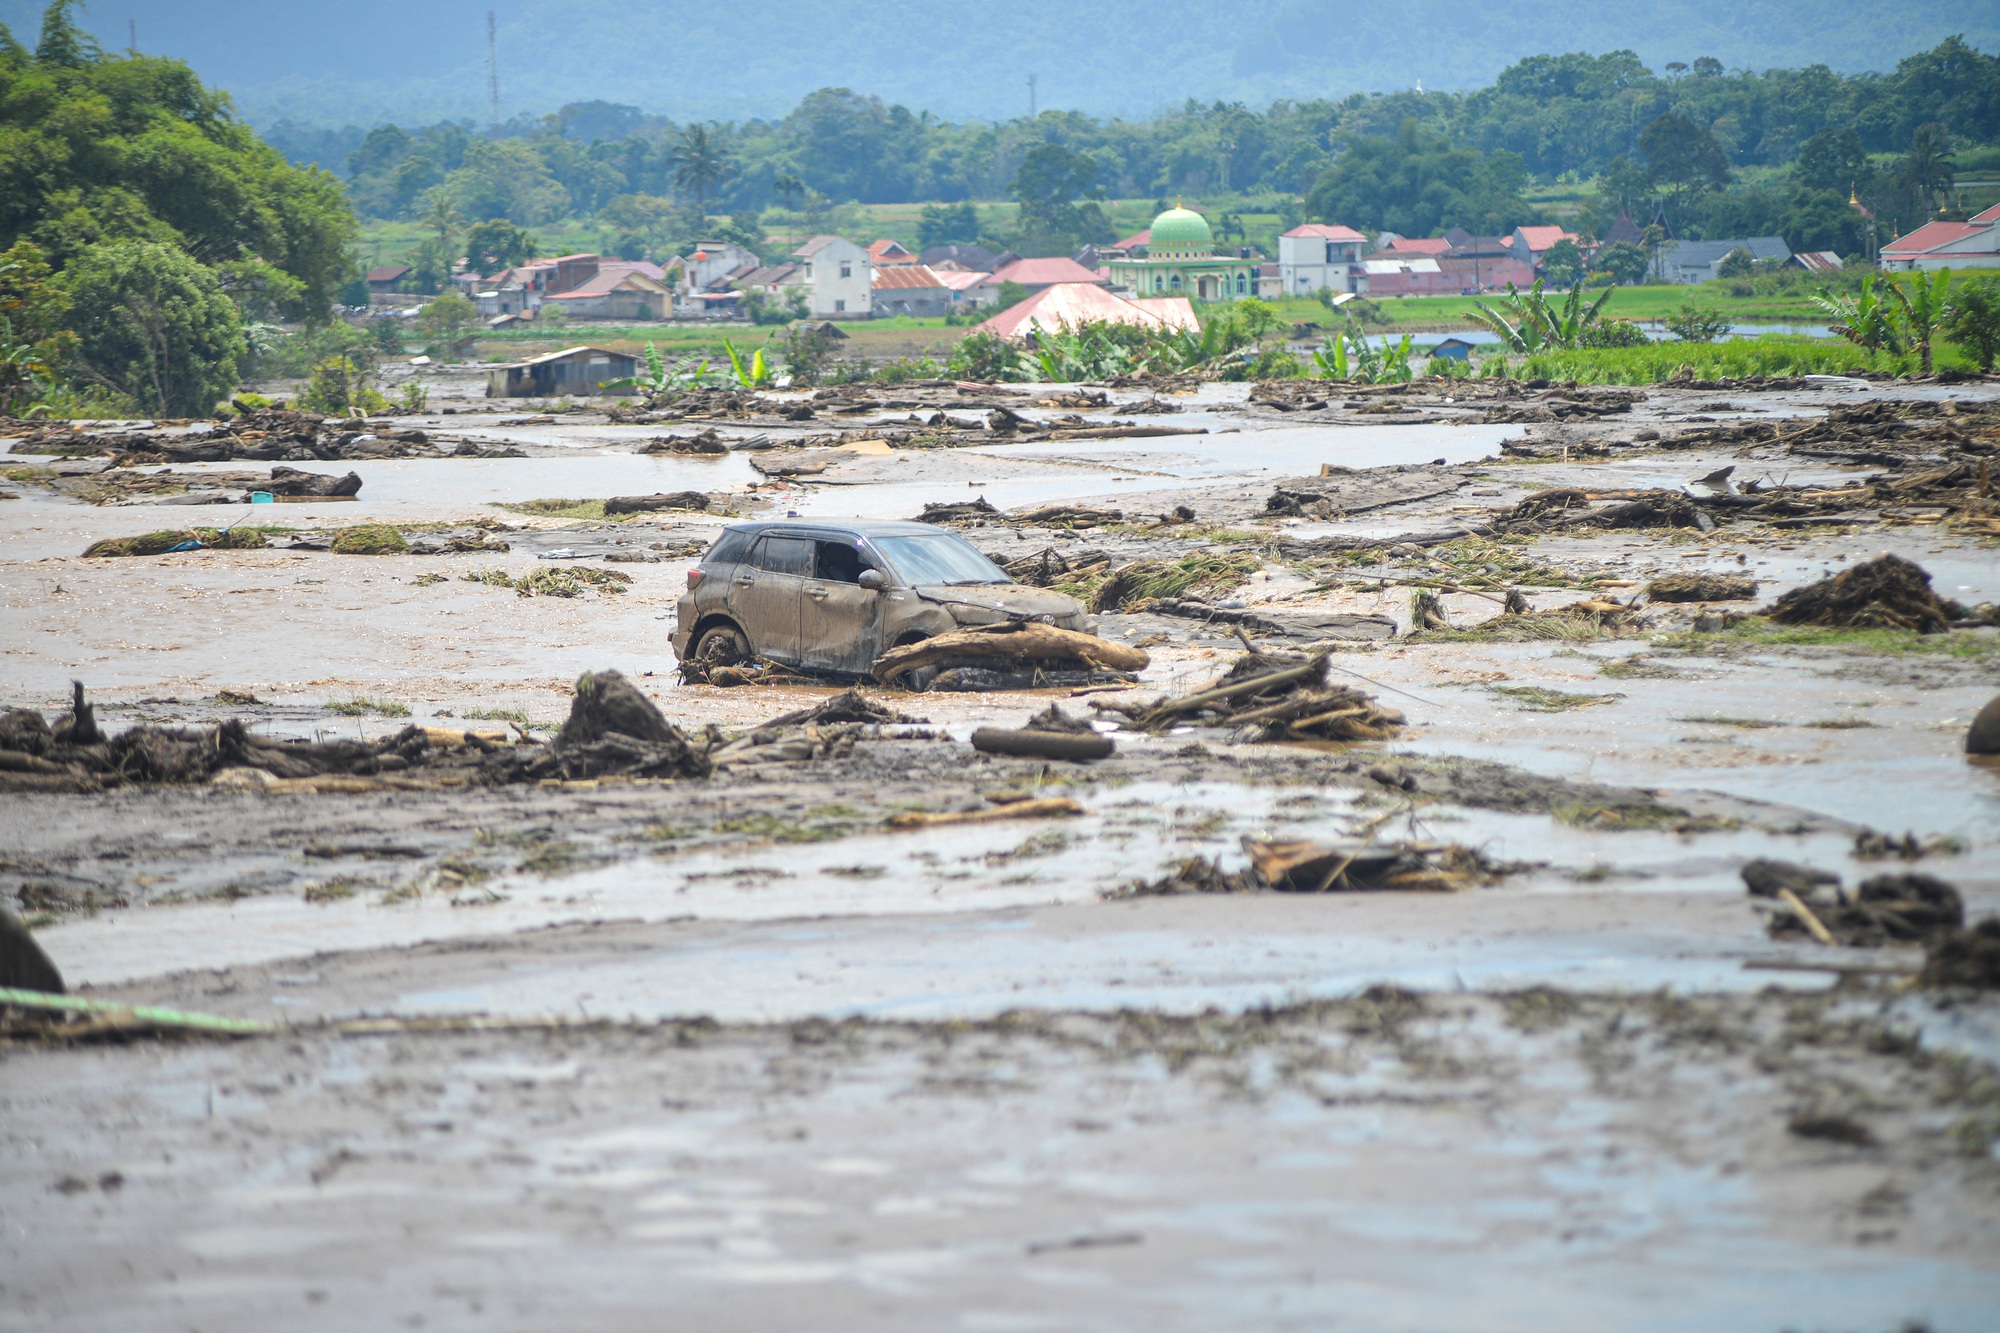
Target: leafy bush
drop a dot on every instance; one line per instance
(1613, 333)
(446, 323)
(153, 325)
(369, 539)
(159, 543)
(908, 368)
(986, 357)
(341, 388)
(1697, 326)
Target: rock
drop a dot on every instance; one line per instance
(23, 965)
(606, 702)
(1702, 588)
(1983, 737)
(645, 504)
(1968, 958)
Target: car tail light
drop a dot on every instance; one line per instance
(694, 577)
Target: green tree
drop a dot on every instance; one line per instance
(945, 224)
(701, 163)
(447, 325)
(1738, 263)
(1057, 189)
(1563, 263)
(153, 325)
(340, 386)
(1972, 320)
(63, 44)
(1625, 262)
(1832, 160)
(1417, 182)
(497, 244)
(1929, 167)
(1684, 159)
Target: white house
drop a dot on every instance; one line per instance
(1974, 243)
(839, 276)
(1317, 256)
(1698, 261)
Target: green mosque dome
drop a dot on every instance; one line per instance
(1180, 232)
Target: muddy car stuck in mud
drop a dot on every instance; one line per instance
(832, 597)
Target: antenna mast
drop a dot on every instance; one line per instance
(133, 24)
(492, 66)
(1031, 97)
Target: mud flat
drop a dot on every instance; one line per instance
(746, 1043)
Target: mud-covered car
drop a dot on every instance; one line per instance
(832, 597)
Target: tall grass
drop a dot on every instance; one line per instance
(1725, 360)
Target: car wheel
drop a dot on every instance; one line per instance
(916, 682)
(724, 645)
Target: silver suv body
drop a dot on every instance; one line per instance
(832, 597)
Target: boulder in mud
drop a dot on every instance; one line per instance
(1887, 592)
(1964, 958)
(23, 965)
(1983, 737)
(646, 504)
(1702, 588)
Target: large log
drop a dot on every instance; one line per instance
(1022, 642)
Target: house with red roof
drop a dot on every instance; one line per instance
(1320, 257)
(1531, 243)
(885, 253)
(1974, 243)
(1035, 274)
(1071, 305)
(1410, 247)
(911, 289)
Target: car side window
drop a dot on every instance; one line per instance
(784, 555)
(840, 562)
(729, 549)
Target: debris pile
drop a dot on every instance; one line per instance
(1012, 655)
(1887, 592)
(1964, 958)
(706, 443)
(1903, 908)
(1052, 734)
(1313, 867)
(1270, 697)
(177, 539)
(613, 730)
(647, 504)
(827, 730)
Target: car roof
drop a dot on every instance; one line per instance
(856, 528)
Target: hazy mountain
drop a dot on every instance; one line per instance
(361, 61)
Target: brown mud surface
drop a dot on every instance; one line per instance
(789, 1006)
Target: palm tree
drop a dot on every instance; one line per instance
(1928, 169)
(701, 163)
(442, 218)
(789, 187)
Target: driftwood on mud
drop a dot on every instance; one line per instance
(1272, 698)
(1014, 643)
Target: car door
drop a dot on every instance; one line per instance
(765, 592)
(839, 620)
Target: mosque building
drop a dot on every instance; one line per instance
(1180, 260)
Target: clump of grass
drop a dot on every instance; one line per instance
(428, 580)
(821, 824)
(1840, 724)
(567, 581)
(1638, 668)
(578, 509)
(159, 543)
(1506, 565)
(1741, 723)
(1754, 632)
(1536, 699)
(360, 707)
(515, 715)
(335, 889)
(1734, 359)
(1203, 573)
(1518, 629)
(369, 539)
(1640, 818)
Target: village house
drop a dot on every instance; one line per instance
(1699, 261)
(1974, 243)
(911, 289)
(574, 370)
(1319, 257)
(1530, 244)
(388, 279)
(620, 289)
(1035, 274)
(712, 266)
(969, 288)
(976, 258)
(838, 276)
(886, 254)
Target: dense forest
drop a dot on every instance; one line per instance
(1707, 150)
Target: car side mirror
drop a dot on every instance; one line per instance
(872, 580)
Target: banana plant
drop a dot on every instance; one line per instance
(1521, 327)
(755, 374)
(1350, 356)
(663, 378)
(1920, 311)
(1864, 319)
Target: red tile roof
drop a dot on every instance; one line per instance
(1135, 240)
(1541, 238)
(1069, 305)
(388, 272)
(1417, 245)
(1930, 236)
(1327, 232)
(1044, 272)
(1990, 215)
(890, 252)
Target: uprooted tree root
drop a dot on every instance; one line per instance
(613, 730)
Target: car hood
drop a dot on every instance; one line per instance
(990, 603)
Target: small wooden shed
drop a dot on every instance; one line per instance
(574, 370)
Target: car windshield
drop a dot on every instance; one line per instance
(940, 558)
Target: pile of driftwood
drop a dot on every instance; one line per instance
(827, 730)
(1903, 908)
(1312, 867)
(613, 730)
(1012, 655)
(1269, 697)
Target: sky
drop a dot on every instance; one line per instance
(413, 61)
